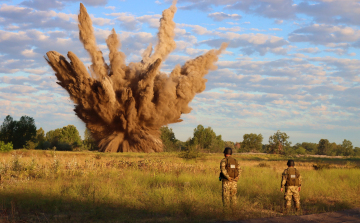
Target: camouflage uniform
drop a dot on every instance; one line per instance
(291, 192)
(229, 188)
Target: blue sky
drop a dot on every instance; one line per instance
(291, 65)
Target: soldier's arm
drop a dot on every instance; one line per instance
(298, 173)
(283, 179)
(223, 170)
(239, 171)
(239, 168)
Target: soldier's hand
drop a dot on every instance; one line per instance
(231, 179)
(281, 189)
(299, 189)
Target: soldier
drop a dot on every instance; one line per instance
(291, 181)
(230, 172)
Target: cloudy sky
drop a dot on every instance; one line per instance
(291, 65)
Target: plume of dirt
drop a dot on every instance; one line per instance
(124, 106)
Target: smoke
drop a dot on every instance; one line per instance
(124, 106)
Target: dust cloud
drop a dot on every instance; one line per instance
(124, 106)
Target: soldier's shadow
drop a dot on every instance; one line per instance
(271, 204)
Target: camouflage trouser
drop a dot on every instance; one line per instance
(292, 192)
(229, 190)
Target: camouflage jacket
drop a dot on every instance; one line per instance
(285, 175)
(223, 169)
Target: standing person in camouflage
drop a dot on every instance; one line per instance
(291, 181)
(229, 175)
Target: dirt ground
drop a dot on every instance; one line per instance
(346, 216)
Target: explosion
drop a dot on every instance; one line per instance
(122, 105)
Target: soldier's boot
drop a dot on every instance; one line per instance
(298, 209)
(287, 209)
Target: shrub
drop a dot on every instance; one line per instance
(30, 145)
(46, 145)
(6, 147)
(321, 166)
(63, 147)
(300, 151)
(191, 152)
(263, 164)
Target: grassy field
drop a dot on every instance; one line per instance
(48, 186)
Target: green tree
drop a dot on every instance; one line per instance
(25, 131)
(89, 141)
(18, 132)
(251, 142)
(217, 145)
(347, 148)
(168, 138)
(278, 142)
(203, 137)
(40, 138)
(311, 148)
(71, 136)
(333, 149)
(40, 135)
(300, 150)
(356, 151)
(7, 129)
(66, 138)
(53, 136)
(229, 144)
(323, 147)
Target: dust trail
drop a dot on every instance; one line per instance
(125, 105)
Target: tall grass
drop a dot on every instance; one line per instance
(69, 187)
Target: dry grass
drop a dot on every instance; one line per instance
(47, 186)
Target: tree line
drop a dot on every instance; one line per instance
(24, 134)
(206, 140)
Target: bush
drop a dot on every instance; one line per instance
(30, 145)
(289, 152)
(191, 152)
(6, 147)
(63, 147)
(45, 145)
(262, 164)
(300, 151)
(321, 166)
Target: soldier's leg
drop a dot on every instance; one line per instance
(225, 194)
(288, 198)
(233, 197)
(296, 198)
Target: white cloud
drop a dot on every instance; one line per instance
(192, 51)
(29, 53)
(325, 34)
(275, 29)
(309, 50)
(232, 29)
(100, 21)
(220, 16)
(152, 20)
(110, 7)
